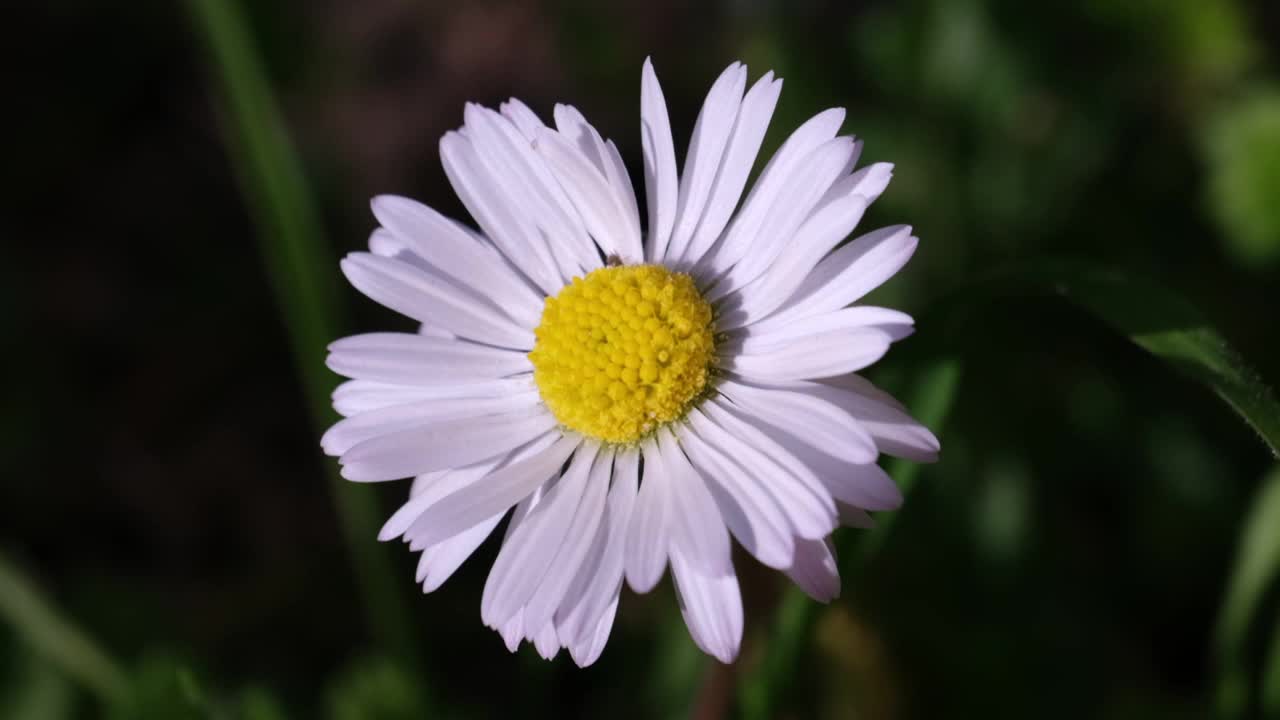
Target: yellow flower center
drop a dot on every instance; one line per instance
(623, 350)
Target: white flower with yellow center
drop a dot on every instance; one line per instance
(636, 401)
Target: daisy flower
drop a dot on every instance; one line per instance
(630, 399)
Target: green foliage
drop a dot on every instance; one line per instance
(1152, 317)
(1071, 544)
(37, 691)
(162, 688)
(376, 689)
(1243, 147)
(54, 638)
(1246, 616)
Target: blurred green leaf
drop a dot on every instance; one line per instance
(1257, 566)
(1270, 695)
(1152, 317)
(677, 669)
(1243, 146)
(53, 637)
(376, 689)
(275, 186)
(260, 704)
(38, 692)
(162, 688)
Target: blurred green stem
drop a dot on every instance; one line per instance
(300, 269)
(762, 689)
(53, 637)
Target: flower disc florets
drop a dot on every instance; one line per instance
(623, 351)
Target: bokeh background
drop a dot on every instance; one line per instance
(172, 542)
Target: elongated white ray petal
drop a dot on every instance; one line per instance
(711, 133)
(820, 355)
(647, 533)
(408, 359)
(413, 292)
(662, 185)
(739, 156)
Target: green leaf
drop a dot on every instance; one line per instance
(1160, 321)
(53, 637)
(376, 689)
(1242, 620)
(1147, 314)
(302, 273)
(1242, 146)
(163, 688)
(38, 692)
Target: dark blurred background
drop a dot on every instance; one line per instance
(1067, 558)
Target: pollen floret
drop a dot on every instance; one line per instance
(623, 351)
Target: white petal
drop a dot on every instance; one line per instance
(528, 182)
(512, 631)
(589, 191)
(578, 541)
(740, 155)
(864, 485)
(753, 340)
(800, 493)
(750, 511)
(825, 229)
(808, 182)
(458, 254)
(412, 292)
(697, 529)
(814, 570)
(522, 117)
(430, 488)
(863, 386)
(706, 149)
(845, 275)
(516, 237)
(358, 396)
(869, 182)
(546, 642)
(605, 156)
(528, 554)
(742, 232)
(587, 652)
(819, 355)
(596, 588)
(712, 608)
(662, 186)
(440, 561)
(412, 359)
(461, 442)
(647, 533)
(346, 434)
(894, 431)
(500, 490)
(818, 421)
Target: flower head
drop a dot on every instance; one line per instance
(630, 401)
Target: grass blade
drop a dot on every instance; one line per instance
(301, 271)
(1242, 622)
(55, 638)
